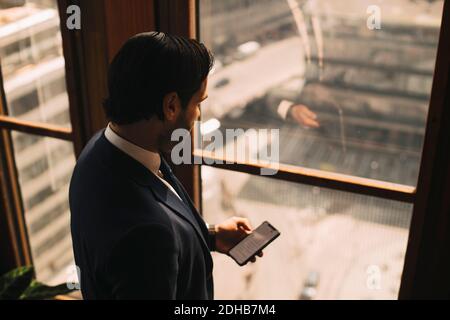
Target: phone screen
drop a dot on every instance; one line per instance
(253, 243)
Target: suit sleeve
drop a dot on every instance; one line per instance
(144, 264)
(280, 102)
(279, 108)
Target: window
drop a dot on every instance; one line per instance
(351, 105)
(33, 74)
(378, 123)
(44, 177)
(353, 245)
(369, 89)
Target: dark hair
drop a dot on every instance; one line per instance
(146, 68)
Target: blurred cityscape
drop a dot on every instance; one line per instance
(370, 91)
(35, 88)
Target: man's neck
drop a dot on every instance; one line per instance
(143, 134)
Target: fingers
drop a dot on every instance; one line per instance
(259, 254)
(243, 223)
(304, 116)
(308, 112)
(309, 122)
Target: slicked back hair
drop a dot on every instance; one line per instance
(149, 66)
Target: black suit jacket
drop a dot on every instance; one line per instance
(132, 237)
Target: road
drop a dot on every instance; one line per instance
(251, 78)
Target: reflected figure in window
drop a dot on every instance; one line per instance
(301, 113)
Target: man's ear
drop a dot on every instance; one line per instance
(171, 106)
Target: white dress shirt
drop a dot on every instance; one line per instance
(150, 160)
(283, 108)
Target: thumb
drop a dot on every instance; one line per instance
(244, 224)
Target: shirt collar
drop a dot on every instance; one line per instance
(151, 160)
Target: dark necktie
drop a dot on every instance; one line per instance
(166, 173)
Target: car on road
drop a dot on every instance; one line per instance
(221, 83)
(247, 49)
(310, 284)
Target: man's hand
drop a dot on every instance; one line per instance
(303, 116)
(230, 232)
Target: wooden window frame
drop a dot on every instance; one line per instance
(14, 240)
(427, 262)
(14, 245)
(36, 128)
(87, 53)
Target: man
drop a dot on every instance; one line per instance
(136, 233)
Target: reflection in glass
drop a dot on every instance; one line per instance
(333, 245)
(347, 98)
(32, 61)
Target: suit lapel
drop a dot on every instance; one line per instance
(121, 162)
(192, 213)
(184, 195)
(171, 200)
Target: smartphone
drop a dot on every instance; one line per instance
(252, 244)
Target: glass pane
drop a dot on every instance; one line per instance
(333, 245)
(346, 96)
(32, 61)
(44, 166)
